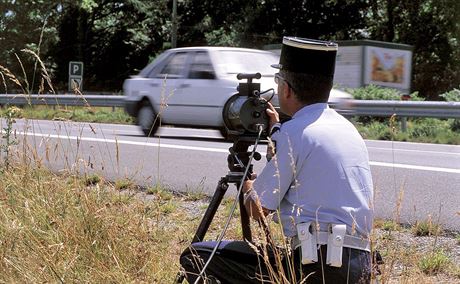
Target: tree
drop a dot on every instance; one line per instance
(114, 38)
(26, 25)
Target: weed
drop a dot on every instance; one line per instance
(168, 207)
(92, 180)
(426, 228)
(123, 184)
(434, 262)
(194, 195)
(390, 225)
(11, 113)
(160, 192)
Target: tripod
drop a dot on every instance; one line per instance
(237, 161)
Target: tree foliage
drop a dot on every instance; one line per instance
(116, 38)
(26, 24)
(111, 37)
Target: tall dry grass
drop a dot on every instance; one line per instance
(55, 228)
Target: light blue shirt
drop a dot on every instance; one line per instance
(320, 173)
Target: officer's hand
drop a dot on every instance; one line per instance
(247, 185)
(272, 114)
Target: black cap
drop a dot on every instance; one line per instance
(302, 55)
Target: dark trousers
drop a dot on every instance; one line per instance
(237, 262)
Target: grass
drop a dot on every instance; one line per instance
(426, 228)
(86, 114)
(423, 130)
(92, 179)
(59, 229)
(434, 263)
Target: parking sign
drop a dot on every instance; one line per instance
(75, 75)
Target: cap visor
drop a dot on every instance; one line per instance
(277, 66)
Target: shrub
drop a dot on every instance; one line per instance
(373, 92)
(451, 96)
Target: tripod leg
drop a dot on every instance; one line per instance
(222, 187)
(245, 225)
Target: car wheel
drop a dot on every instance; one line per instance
(147, 119)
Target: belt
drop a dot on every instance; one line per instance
(348, 241)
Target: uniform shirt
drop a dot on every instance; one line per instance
(320, 172)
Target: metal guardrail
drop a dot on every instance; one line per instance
(352, 107)
(64, 100)
(402, 108)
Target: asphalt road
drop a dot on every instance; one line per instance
(412, 180)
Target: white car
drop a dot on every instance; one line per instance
(189, 86)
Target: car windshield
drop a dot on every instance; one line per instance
(234, 62)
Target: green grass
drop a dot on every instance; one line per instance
(123, 184)
(434, 262)
(92, 179)
(426, 228)
(87, 114)
(423, 130)
(160, 192)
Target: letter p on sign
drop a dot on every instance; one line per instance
(75, 68)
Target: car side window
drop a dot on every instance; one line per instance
(174, 66)
(201, 66)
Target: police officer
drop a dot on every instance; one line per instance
(318, 184)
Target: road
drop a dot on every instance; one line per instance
(412, 180)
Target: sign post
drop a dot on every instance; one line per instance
(75, 75)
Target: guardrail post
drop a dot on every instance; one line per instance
(403, 124)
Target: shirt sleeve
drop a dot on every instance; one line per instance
(277, 176)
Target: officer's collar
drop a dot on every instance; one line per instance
(310, 108)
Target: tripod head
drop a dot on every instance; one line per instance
(238, 159)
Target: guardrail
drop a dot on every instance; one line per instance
(401, 108)
(352, 107)
(64, 100)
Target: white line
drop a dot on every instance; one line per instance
(204, 149)
(417, 151)
(414, 167)
(171, 146)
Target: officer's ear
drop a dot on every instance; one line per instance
(288, 91)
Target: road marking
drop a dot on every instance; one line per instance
(414, 167)
(205, 149)
(417, 151)
(91, 139)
